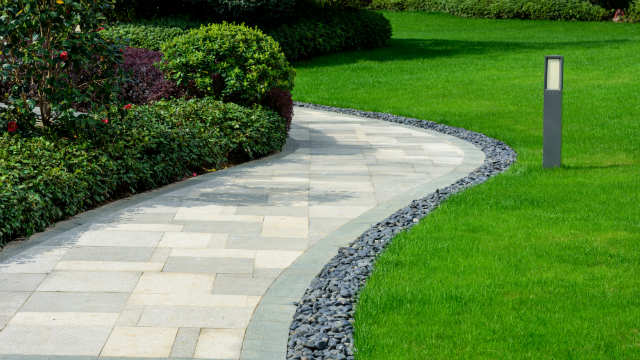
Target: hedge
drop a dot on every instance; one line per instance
(249, 11)
(581, 10)
(142, 36)
(314, 34)
(46, 178)
(332, 31)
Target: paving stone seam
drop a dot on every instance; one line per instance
(330, 297)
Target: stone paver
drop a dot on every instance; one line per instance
(209, 268)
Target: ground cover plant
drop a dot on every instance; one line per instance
(533, 263)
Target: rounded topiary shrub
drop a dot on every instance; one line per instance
(229, 62)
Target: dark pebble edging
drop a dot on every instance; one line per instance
(322, 326)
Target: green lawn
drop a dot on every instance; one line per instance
(533, 264)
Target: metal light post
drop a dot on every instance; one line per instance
(552, 148)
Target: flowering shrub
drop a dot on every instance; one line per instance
(145, 83)
(229, 62)
(53, 58)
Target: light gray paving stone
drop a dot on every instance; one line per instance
(222, 227)
(109, 253)
(230, 284)
(10, 302)
(209, 265)
(200, 317)
(20, 282)
(256, 242)
(87, 281)
(76, 302)
(153, 218)
(53, 340)
(301, 211)
(120, 238)
(185, 342)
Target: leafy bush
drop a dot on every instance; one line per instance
(251, 11)
(145, 82)
(340, 4)
(504, 9)
(54, 58)
(612, 4)
(229, 62)
(633, 14)
(45, 179)
(141, 35)
(332, 31)
(281, 102)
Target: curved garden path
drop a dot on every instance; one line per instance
(210, 267)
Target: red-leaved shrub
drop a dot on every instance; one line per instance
(145, 82)
(281, 102)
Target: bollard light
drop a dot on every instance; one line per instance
(553, 79)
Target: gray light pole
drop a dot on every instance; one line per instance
(552, 148)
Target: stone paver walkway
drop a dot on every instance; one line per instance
(179, 272)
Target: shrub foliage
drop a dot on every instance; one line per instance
(634, 11)
(229, 62)
(144, 81)
(53, 58)
(504, 9)
(250, 11)
(135, 150)
(332, 31)
(141, 35)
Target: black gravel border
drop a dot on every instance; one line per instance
(322, 326)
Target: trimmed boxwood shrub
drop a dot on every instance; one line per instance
(46, 178)
(142, 36)
(581, 10)
(332, 31)
(229, 62)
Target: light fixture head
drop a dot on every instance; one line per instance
(553, 72)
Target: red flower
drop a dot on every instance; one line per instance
(64, 56)
(194, 174)
(12, 126)
(105, 120)
(127, 107)
(100, 28)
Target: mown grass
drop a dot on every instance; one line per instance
(533, 264)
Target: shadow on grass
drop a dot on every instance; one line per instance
(414, 49)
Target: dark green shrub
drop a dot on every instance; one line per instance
(229, 62)
(612, 4)
(332, 31)
(581, 10)
(633, 14)
(45, 179)
(141, 36)
(250, 11)
(339, 4)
